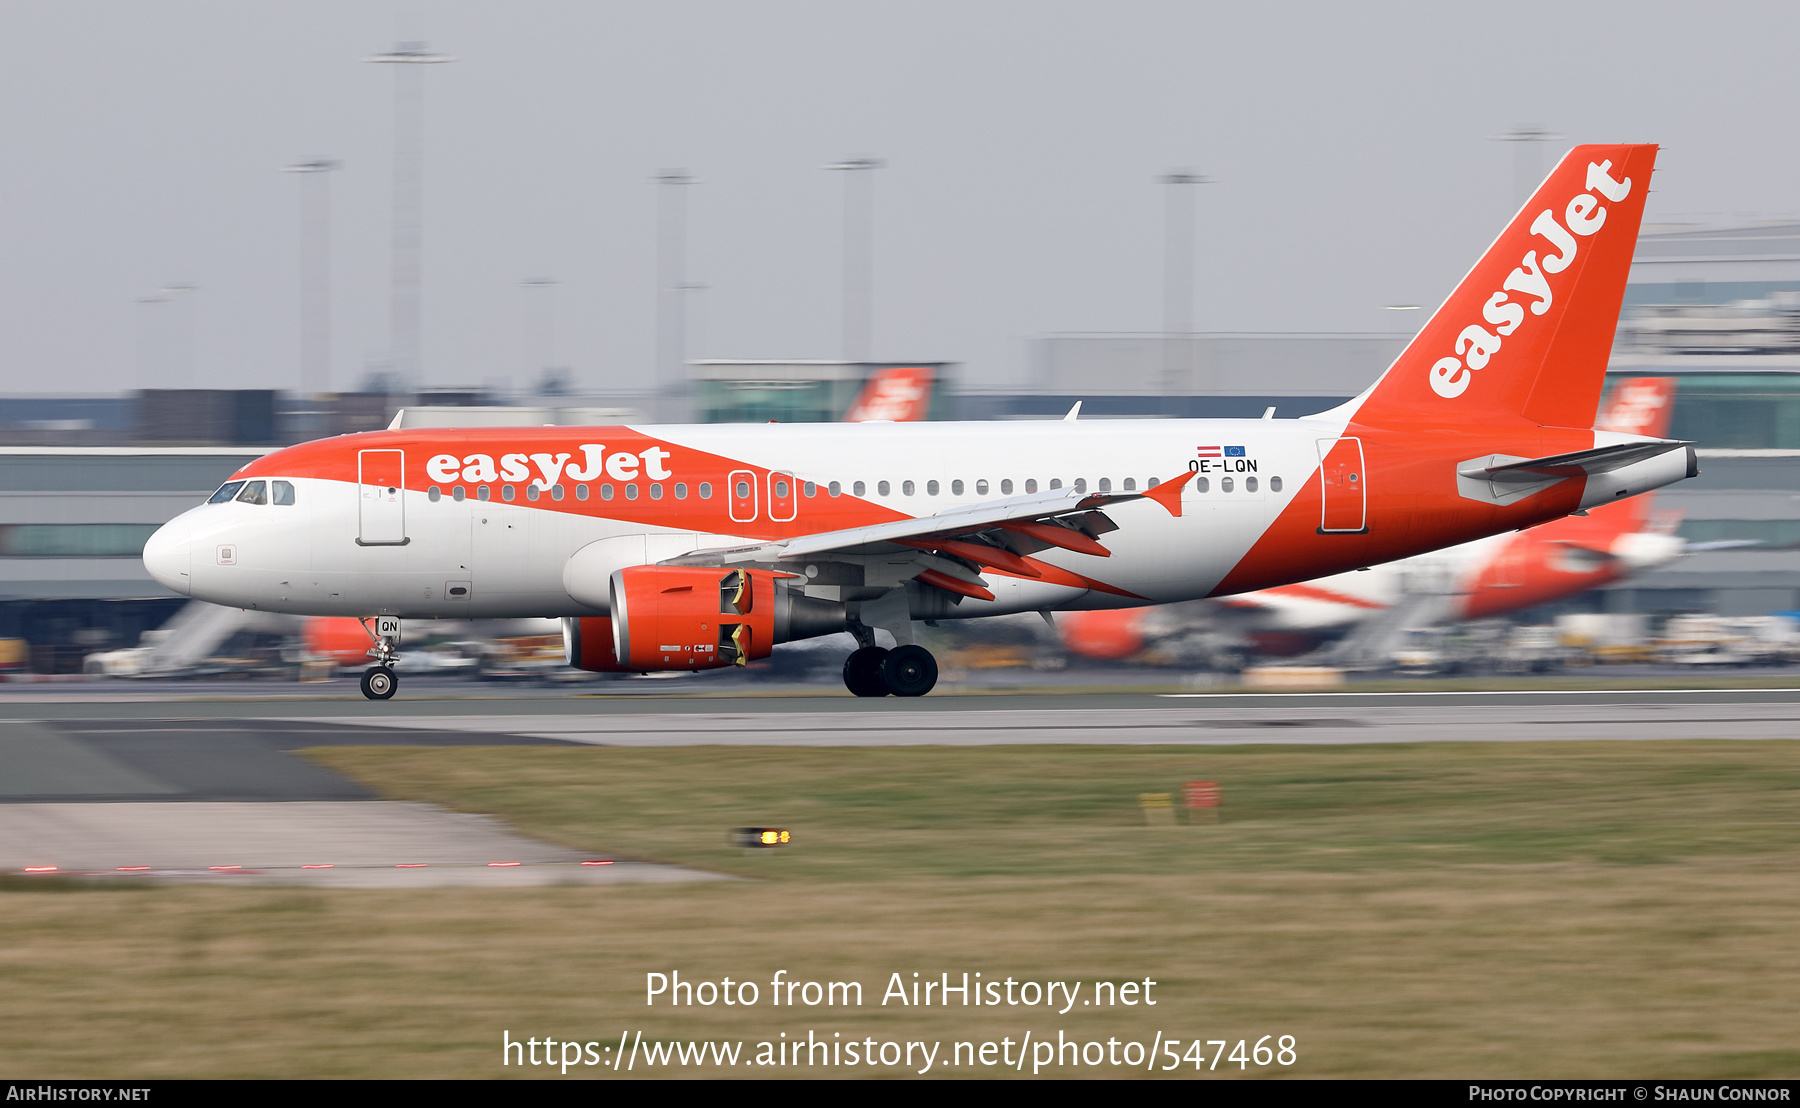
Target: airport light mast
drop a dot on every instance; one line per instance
(671, 291)
(1178, 278)
(859, 254)
(315, 273)
(409, 176)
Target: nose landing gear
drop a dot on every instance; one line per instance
(379, 681)
(902, 671)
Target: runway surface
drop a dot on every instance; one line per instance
(140, 783)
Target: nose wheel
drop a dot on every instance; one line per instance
(902, 671)
(379, 683)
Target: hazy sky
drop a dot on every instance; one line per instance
(140, 144)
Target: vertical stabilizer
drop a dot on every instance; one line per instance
(1526, 335)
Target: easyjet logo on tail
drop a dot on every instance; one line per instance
(1476, 345)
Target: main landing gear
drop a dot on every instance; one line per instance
(379, 681)
(902, 671)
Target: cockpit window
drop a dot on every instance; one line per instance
(256, 492)
(284, 492)
(226, 491)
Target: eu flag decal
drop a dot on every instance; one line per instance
(1234, 452)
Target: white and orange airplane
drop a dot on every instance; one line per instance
(1476, 580)
(892, 394)
(694, 547)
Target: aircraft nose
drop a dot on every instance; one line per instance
(166, 556)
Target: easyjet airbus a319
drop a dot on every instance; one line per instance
(694, 547)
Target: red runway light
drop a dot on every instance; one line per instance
(409, 865)
(606, 862)
(503, 863)
(133, 869)
(224, 867)
(40, 869)
(318, 865)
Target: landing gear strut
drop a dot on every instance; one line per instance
(902, 671)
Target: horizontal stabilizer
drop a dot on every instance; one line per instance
(1601, 459)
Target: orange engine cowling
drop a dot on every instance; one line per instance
(696, 617)
(588, 644)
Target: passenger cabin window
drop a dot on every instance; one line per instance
(810, 488)
(581, 492)
(1056, 482)
(1249, 484)
(981, 488)
(1006, 487)
(835, 489)
(1105, 484)
(1031, 484)
(434, 494)
(907, 487)
(706, 490)
(1274, 484)
(858, 489)
(1201, 484)
(1081, 484)
(226, 492)
(1130, 484)
(255, 492)
(1224, 484)
(881, 487)
(681, 490)
(931, 488)
(457, 494)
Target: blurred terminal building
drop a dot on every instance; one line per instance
(85, 480)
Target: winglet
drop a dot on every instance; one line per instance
(398, 421)
(1168, 494)
(1073, 413)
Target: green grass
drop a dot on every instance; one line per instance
(886, 813)
(1447, 910)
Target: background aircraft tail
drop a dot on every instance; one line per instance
(1526, 335)
(1638, 406)
(898, 394)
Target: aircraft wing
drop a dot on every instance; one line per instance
(1034, 515)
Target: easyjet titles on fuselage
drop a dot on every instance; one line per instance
(620, 465)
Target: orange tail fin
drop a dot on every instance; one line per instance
(1526, 335)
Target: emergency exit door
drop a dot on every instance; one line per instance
(381, 498)
(1343, 486)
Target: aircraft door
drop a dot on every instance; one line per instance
(783, 503)
(381, 498)
(1343, 487)
(740, 492)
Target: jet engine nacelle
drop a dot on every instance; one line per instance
(588, 644)
(698, 617)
